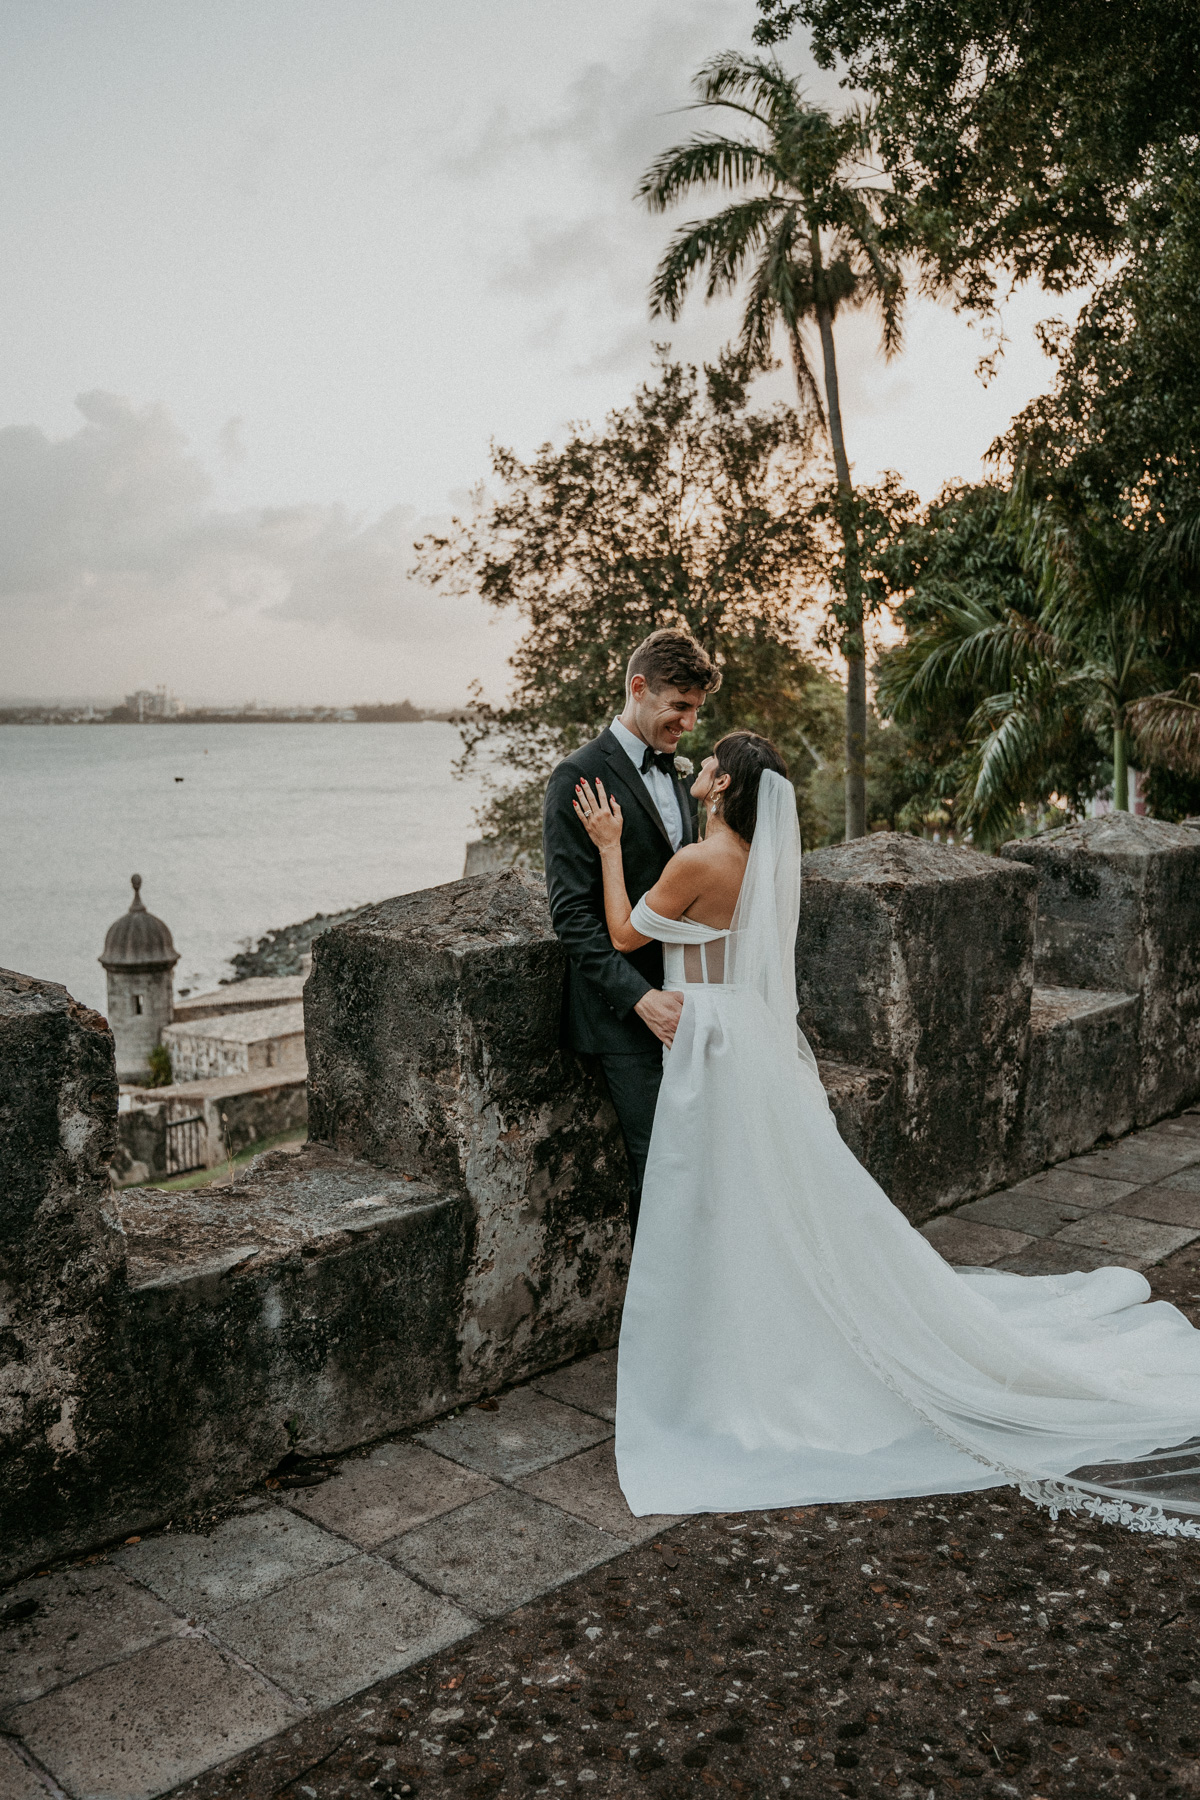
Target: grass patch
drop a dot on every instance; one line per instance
(198, 1178)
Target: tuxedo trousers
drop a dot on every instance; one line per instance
(633, 1079)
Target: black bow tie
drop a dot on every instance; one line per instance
(658, 759)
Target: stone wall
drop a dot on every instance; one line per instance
(1119, 909)
(61, 1267)
(460, 1226)
(916, 962)
(235, 1111)
(457, 1222)
(236, 1043)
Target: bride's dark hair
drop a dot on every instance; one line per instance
(743, 755)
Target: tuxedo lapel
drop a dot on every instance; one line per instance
(683, 800)
(630, 782)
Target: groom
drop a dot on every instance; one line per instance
(615, 1008)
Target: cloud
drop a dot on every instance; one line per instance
(553, 254)
(230, 441)
(616, 114)
(583, 254)
(117, 555)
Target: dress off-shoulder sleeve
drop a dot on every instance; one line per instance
(671, 931)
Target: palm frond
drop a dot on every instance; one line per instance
(807, 386)
(972, 642)
(879, 278)
(1176, 546)
(794, 165)
(1017, 734)
(728, 77)
(1166, 727)
(722, 244)
(705, 161)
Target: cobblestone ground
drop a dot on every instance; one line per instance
(905, 1650)
(473, 1611)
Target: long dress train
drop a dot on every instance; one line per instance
(789, 1338)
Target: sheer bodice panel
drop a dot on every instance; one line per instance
(693, 954)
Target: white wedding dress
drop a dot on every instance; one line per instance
(789, 1338)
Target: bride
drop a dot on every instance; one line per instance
(788, 1337)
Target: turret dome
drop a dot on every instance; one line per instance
(137, 940)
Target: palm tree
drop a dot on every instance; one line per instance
(1066, 664)
(805, 233)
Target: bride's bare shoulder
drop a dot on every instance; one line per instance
(689, 856)
(679, 883)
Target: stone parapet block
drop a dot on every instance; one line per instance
(1119, 909)
(433, 1025)
(916, 960)
(312, 1304)
(862, 1103)
(58, 1105)
(1083, 1072)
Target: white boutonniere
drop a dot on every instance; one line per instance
(684, 765)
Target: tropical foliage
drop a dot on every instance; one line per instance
(1038, 638)
(1051, 632)
(1051, 619)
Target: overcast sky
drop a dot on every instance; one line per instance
(274, 274)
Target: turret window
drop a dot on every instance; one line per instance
(138, 1007)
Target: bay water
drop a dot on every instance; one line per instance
(234, 829)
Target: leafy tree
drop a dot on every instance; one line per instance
(974, 603)
(1122, 427)
(688, 508)
(804, 236)
(1016, 136)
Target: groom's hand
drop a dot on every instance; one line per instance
(660, 1011)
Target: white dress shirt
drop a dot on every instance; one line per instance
(658, 784)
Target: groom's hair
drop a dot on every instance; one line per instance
(673, 658)
(743, 755)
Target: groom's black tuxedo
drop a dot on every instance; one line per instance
(603, 985)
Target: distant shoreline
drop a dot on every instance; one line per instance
(381, 715)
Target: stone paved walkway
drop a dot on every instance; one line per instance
(130, 1673)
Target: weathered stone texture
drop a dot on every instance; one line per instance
(433, 1031)
(862, 1103)
(59, 1267)
(237, 1043)
(1119, 909)
(312, 1304)
(1082, 1080)
(916, 961)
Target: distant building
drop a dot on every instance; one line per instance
(139, 957)
(486, 855)
(237, 1069)
(237, 1043)
(153, 703)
